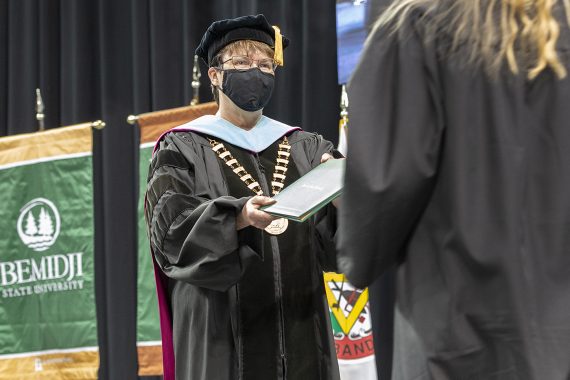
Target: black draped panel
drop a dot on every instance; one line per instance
(106, 59)
(74, 49)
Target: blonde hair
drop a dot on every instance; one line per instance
(247, 47)
(524, 33)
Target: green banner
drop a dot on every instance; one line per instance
(148, 325)
(47, 304)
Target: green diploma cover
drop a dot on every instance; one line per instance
(307, 195)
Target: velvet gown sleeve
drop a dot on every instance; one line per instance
(394, 141)
(194, 238)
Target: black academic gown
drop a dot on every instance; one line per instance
(244, 305)
(463, 183)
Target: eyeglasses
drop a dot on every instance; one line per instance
(267, 65)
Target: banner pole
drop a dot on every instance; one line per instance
(196, 74)
(40, 110)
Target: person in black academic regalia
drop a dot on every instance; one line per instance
(241, 294)
(459, 178)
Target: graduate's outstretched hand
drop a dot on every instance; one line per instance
(250, 214)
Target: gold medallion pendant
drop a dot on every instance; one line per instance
(277, 227)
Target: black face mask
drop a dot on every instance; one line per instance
(250, 90)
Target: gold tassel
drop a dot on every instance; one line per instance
(278, 57)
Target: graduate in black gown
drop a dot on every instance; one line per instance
(241, 294)
(459, 176)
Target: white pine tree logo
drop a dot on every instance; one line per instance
(31, 228)
(45, 224)
(39, 233)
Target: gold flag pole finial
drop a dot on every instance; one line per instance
(196, 74)
(40, 110)
(132, 119)
(98, 124)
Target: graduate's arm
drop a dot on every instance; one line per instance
(394, 141)
(195, 239)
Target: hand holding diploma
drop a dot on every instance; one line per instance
(250, 214)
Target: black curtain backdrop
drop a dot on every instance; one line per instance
(107, 59)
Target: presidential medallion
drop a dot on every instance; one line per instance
(277, 227)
